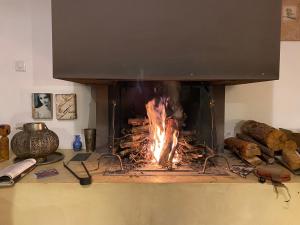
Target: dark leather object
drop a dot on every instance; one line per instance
(273, 174)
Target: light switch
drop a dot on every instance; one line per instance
(20, 66)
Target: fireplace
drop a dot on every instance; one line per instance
(167, 125)
(173, 58)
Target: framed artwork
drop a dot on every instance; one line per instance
(42, 106)
(66, 108)
(290, 20)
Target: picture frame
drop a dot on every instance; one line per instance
(66, 106)
(42, 106)
(290, 20)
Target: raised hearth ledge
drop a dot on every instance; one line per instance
(65, 177)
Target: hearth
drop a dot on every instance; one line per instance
(163, 127)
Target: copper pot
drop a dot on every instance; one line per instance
(34, 141)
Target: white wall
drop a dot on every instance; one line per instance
(25, 34)
(276, 102)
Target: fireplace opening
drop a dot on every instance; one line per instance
(171, 126)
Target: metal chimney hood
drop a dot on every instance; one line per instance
(228, 42)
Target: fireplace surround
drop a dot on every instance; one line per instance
(133, 52)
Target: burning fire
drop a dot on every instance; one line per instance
(164, 139)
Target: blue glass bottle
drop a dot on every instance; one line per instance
(77, 144)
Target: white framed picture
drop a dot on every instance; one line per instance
(66, 106)
(42, 106)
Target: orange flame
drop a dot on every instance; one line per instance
(157, 116)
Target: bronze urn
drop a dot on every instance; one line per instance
(34, 141)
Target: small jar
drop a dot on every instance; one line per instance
(77, 144)
(4, 142)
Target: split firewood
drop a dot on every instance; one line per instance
(292, 159)
(129, 144)
(192, 157)
(185, 133)
(140, 129)
(292, 136)
(185, 144)
(290, 146)
(127, 152)
(138, 137)
(166, 155)
(265, 134)
(268, 159)
(255, 161)
(138, 121)
(194, 150)
(263, 148)
(244, 148)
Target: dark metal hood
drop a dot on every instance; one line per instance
(232, 41)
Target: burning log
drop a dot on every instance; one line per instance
(168, 150)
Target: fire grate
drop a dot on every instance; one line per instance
(155, 170)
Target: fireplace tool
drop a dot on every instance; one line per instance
(112, 154)
(210, 152)
(212, 155)
(82, 180)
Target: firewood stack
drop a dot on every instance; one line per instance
(269, 140)
(135, 145)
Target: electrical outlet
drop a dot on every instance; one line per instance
(20, 66)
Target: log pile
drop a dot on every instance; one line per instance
(271, 142)
(135, 145)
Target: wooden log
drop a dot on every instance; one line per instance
(292, 136)
(292, 159)
(188, 133)
(265, 134)
(129, 144)
(263, 148)
(290, 146)
(137, 121)
(255, 161)
(268, 159)
(166, 157)
(245, 149)
(127, 152)
(140, 129)
(138, 137)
